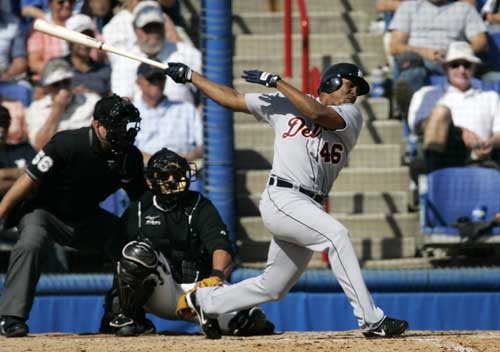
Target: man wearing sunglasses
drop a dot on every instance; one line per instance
(457, 124)
(60, 109)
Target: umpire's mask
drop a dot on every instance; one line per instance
(169, 177)
(121, 120)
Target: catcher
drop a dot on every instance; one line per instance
(179, 242)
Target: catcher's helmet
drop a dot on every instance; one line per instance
(331, 80)
(169, 177)
(121, 120)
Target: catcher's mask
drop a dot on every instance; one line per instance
(331, 80)
(121, 120)
(169, 177)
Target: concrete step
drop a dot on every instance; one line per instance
(349, 180)
(271, 45)
(360, 226)
(372, 109)
(379, 155)
(342, 202)
(319, 22)
(366, 249)
(257, 135)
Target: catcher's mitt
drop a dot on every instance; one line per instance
(183, 311)
(211, 281)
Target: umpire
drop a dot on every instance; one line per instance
(58, 197)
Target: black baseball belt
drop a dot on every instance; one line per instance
(279, 182)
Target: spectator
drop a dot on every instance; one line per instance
(101, 12)
(35, 9)
(165, 124)
(88, 74)
(392, 5)
(421, 30)
(18, 131)
(491, 15)
(60, 109)
(13, 57)
(43, 47)
(458, 124)
(13, 157)
(148, 24)
(173, 18)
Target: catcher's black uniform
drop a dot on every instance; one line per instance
(187, 235)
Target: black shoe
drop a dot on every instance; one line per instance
(125, 326)
(251, 322)
(13, 327)
(209, 327)
(388, 327)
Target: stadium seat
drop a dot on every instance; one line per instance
(452, 193)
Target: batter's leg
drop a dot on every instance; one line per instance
(286, 262)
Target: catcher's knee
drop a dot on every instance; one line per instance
(137, 273)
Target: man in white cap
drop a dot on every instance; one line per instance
(149, 26)
(90, 74)
(459, 124)
(60, 109)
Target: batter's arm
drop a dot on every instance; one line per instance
(311, 108)
(221, 94)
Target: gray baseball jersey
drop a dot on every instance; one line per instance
(308, 157)
(305, 152)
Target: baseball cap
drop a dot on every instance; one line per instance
(147, 12)
(150, 72)
(461, 51)
(79, 23)
(54, 71)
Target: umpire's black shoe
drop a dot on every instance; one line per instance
(388, 327)
(13, 327)
(209, 327)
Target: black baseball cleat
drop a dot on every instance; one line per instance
(209, 327)
(13, 327)
(388, 327)
(251, 322)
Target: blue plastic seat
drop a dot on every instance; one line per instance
(17, 92)
(455, 192)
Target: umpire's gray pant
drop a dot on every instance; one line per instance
(37, 230)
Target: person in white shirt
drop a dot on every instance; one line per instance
(149, 40)
(60, 109)
(459, 124)
(165, 123)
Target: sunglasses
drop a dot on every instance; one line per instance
(61, 84)
(457, 64)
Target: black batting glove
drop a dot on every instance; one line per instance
(180, 73)
(265, 78)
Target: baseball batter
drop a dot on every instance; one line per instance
(313, 139)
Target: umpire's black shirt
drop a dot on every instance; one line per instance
(76, 174)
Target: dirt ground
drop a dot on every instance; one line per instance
(352, 341)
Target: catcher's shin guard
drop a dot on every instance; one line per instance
(137, 277)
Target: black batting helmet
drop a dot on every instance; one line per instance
(331, 80)
(169, 176)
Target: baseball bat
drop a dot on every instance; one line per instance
(80, 38)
